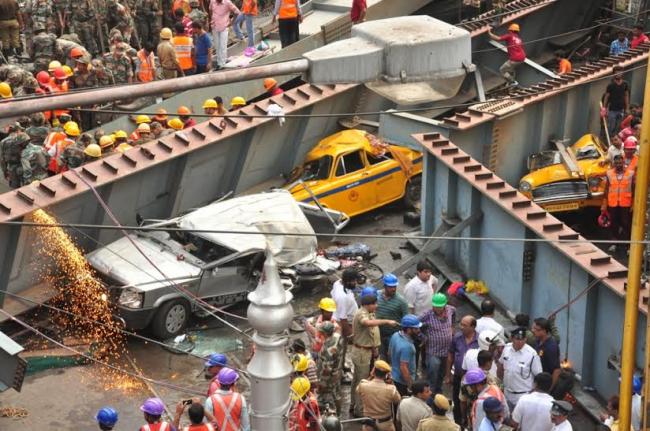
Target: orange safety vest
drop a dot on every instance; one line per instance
(633, 163)
(201, 427)
(227, 410)
(134, 136)
(491, 391)
(146, 72)
(249, 7)
(305, 415)
(55, 139)
(56, 88)
(158, 426)
(183, 48)
(619, 193)
(565, 66)
(288, 9)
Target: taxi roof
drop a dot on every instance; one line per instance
(342, 142)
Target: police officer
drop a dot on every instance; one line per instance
(379, 397)
(11, 149)
(559, 416)
(518, 365)
(329, 367)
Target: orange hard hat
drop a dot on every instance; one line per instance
(183, 110)
(161, 115)
(514, 27)
(76, 52)
(270, 83)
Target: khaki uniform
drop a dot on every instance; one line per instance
(365, 341)
(378, 399)
(168, 59)
(437, 423)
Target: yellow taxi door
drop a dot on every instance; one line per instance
(388, 178)
(351, 189)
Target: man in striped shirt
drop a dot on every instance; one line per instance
(392, 306)
(437, 329)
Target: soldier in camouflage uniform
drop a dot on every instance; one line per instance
(61, 15)
(146, 23)
(83, 76)
(72, 155)
(82, 15)
(34, 159)
(44, 48)
(103, 76)
(120, 65)
(11, 149)
(37, 13)
(197, 15)
(29, 88)
(329, 368)
(15, 76)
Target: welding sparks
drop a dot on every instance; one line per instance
(78, 292)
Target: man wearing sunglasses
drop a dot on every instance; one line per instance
(616, 101)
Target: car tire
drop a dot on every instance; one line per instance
(171, 318)
(413, 192)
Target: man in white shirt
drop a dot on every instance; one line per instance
(346, 305)
(531, 413)
(487, 340)
(559, 416)
(518, 365)
(486, 321)
(413, 409)
(418, 294)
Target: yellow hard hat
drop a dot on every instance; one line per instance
(175, 123)
(123, 147)
(238, 101)
(93, 150)
(5, 90)
(166, 33)
(71, 128)
(53, 65)
(513, 27)
(106, 141)
(210, 103)
(144, 127)
(142, 119)
(121, 134)
(68, 71)
(300, 363)
(327, 304)
(299, 388)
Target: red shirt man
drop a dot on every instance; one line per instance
(638, 36)
(358, 11)
(515, 46)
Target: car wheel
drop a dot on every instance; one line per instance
(413, 192)
(171, 318)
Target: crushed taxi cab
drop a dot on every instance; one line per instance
(354, 172)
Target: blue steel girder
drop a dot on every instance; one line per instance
(564, 262)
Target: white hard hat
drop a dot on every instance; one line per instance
(488, 338)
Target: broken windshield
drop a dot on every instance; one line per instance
(318, 169)
(587, 152)
(544, 159)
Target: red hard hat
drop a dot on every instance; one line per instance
(43, 77)
(630, 142)
(603, 220)
(184, 110)
(59, 73)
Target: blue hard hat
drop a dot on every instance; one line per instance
(368, 291)
(391, 280)
(411, 321)
(216, 359)
(637, 384)
(106, 416)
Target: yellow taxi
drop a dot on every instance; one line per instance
(569, 178)
(354, 172)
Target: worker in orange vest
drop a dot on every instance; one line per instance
(305, 414)
(630, 159)
(145, 64)
(196, 413)
(617, 204)
(153, 408)
(248, 12)
(290, 16)
(59, 84)
(563, 63)
(53, 144)
(70, 137)
(184, 48)
(226, 408)
(184, 114)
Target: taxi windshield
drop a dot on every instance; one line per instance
(544, 159)
(587, 152)
(318, 169)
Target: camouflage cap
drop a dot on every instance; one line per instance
(37, 133)
(84, 59)
(85, 137)
(327, 328)
(14, 77)
(97, 64)
(24, 121)
(31, 83)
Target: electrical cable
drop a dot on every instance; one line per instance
(316, 234)
(98, 361)
(198, 301)
(593, 283)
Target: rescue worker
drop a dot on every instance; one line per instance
(619, 197)
(209, 107)
(329, 367)
(123, 147)
(44, 48)
(161, 116)
(43, 79)
(175, 124)
(54, 64)
(157, 130)
(34, 159)
(184, 48)
(169, 63)
(5, 91)
(106, 143)
(516, 53)
(103, 75)
(559, 416)
(563, 63)
(439, 421)
(139, 119)
(83, 15)
(304, 414)
(91, 153)
(11, 149)
(184, 114)
(213, 364)
(304, 366)
(630, 159)
(143, 134)
(106, 418)
(72, 155)
(476, 382)
(272, 88)
(379, 397)
(517, 367)
(327, 307)
(226, 408)
(153, 408)
(289, 14)
(59, 84)
(236, 103)
(54, 144)
(145, 64)
(366, 341)
(401, 353)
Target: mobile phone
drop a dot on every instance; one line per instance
(187, 402)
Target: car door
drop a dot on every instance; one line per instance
(226, 277)
(388, 178)
(351, 190)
